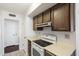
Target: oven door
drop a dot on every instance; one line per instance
(37, 50)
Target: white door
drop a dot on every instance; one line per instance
(11, 33)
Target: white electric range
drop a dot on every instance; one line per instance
(38, 45)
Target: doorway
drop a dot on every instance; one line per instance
(11, 34)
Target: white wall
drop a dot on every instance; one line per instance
(1, 51)
(0, 35)
(29, 27)
(4, 15)
(77, 27)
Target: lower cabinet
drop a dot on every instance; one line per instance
(29, 48)
(47, 53)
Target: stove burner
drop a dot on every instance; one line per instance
(42, 43)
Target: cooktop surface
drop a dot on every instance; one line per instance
(42, 43)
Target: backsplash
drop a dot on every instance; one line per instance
(61, 35)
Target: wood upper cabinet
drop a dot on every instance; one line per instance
(46, 16)
(37, 20)
(60, 17)
(40, 19)
(34, 23)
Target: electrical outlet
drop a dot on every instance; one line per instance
(67, 36)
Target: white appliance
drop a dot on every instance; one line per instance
(38, 45)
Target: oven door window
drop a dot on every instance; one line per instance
(36, 53)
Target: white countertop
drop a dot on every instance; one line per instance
(62, 48)
(34, 38)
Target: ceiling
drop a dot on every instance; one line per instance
(41, 8)
(15, 7)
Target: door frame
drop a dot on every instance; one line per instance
(3, 22)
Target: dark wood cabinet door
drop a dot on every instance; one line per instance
(39, 18)
(29, 47)
(61, 20)
(34, 23)
(46, 16)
